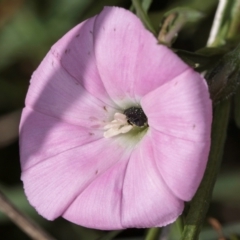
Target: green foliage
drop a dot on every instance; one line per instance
(224, 78)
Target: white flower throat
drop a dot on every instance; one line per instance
(125, 122)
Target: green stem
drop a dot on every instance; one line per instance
(180, 224)
(143, 16)
(201, 200)
(200, 203)
(153, 234)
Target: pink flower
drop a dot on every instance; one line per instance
(116, 129)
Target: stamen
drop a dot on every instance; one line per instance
(133, 117)
(117, 126)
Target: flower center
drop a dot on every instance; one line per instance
(133, 117)
(136, 116)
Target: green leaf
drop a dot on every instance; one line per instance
(146, 4)
(200, 62)
(224, 78)
(143, 16)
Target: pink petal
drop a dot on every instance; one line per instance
(180, 162)
(76, 53)
(55, 93)
(181, 108)
(42, 137)
(53, 184)
(130, 61)
(147, 201)
(99, 206)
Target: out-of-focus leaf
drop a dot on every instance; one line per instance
(228, 231)
(146, 4)
(87, 233)
(202, 6)
(110, 235)
(237, 108)
(226, 189)
(58, 17)
(11, 95)
(8, 9)
(24, 36)
(60, 9)
(97, 6)
(224, 77)
(9, 128)
(93, 234)
(30, 36)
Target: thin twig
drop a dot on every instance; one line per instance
(217, 21)
(25, 223)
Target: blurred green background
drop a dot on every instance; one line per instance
(28, 28)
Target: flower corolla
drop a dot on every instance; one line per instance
(116, 129)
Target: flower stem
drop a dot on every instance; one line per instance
(143, 16)
(153, 234)
(226, 22)
(217, 22)
(222, 29)
(201, 200)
